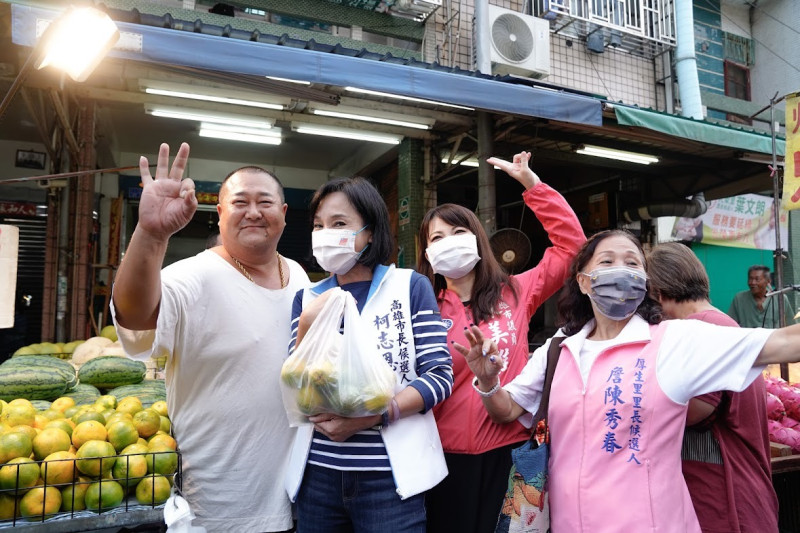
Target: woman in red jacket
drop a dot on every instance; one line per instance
(472, 288)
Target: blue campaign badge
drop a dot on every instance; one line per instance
(447, 323)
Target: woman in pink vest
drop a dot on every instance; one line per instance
(620, 392)
(472, 288)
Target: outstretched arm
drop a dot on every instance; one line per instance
(782, 346)
(168, 203)
(558, 220)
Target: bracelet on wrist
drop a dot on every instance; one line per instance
(488, 394)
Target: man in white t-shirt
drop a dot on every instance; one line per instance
(222, 317)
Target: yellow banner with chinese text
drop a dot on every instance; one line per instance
(791, 168)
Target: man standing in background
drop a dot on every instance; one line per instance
(753, 308)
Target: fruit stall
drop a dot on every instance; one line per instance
(85, 439)
(783, 413)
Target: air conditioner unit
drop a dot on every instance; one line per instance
(520, 44)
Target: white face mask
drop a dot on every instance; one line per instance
(454, 256)
(335, 249)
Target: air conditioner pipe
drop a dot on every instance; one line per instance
(691, 208)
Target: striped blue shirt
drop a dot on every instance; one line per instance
(365, 450)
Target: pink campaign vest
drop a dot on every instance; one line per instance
(616, 448)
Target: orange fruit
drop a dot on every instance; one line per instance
(163, 438)
(136, 448)
(40, 421)
(161, 459)
(160, 407)
(89, 415)
(62, 404)
(166, 425)
(88, 430)
(129, 469)
(62, 424)
(73, 495)
(15, 444)
(147, 422)
(50, 440)
(40, 503)
(106, 402)
(30, 431)
(117, 416)
(95, 457)
(52, 414)
(130, 405)
(122, 433)
(104, 494)
(17, 414)
(8, 507)
(19, 474)
(153, 490)
(21, 401)
(58, 468)
(69, 412)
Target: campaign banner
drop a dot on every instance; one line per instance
(745, 221)
(791, 168)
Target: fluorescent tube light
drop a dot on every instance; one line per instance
(464, 163)
(221, 131)
(377, 119)
(264, 132)
(185, 113)
(343, 133)
(288, 80)
(77, 41)
(175, 92)
(619, 155)
(400, 97)
(765, 159)
(470, 162)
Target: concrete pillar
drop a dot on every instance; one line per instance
(410, 198)
(81, 207)
(487, 203)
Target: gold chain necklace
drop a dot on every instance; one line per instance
(248, 276)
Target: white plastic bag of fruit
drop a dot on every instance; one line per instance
(336, 369)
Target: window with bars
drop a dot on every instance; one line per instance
(737, 85)
(739, 49)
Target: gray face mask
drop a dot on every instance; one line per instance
(617, 291)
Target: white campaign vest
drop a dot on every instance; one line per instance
(412, 443)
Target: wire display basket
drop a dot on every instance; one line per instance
(97, 492)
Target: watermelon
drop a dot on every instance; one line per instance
(46, 362)
(41, 405)
(83, 394)
(148, 391)
(33, 383)
(108, 372)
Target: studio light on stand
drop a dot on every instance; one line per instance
(75, 42)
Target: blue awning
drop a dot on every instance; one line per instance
(183, 48)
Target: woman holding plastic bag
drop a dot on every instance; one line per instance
(368, 473)
(471, 287)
